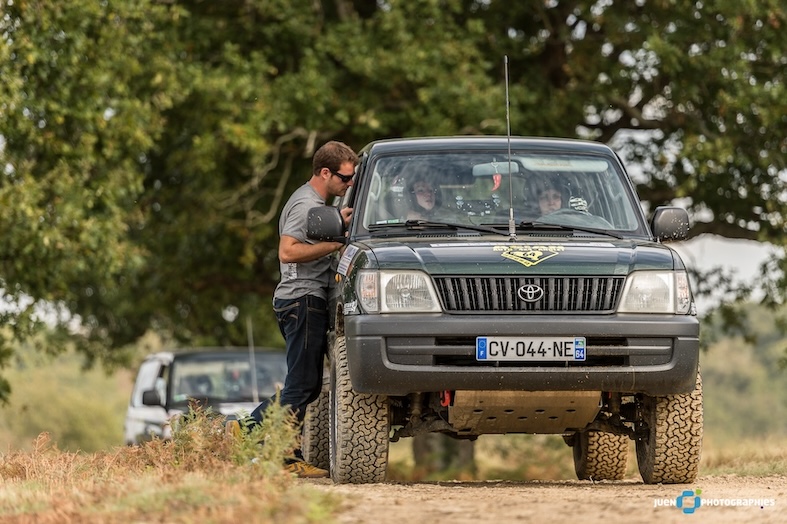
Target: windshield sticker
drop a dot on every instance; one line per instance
(528, 255)
(347, 256)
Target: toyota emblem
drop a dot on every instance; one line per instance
(530, 293)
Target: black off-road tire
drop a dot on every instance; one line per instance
(359, 427)
(670, 453)
(599, 455)
(316, 431)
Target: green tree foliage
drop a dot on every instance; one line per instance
(148, 146)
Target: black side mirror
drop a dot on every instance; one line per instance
(670, 224)
(325, 223)
(151, 398)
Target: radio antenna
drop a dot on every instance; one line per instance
(255, 393)
(511, 223)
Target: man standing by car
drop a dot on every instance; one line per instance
(300, 301)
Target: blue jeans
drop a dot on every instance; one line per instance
(304, 325)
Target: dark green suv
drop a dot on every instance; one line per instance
(494, 285)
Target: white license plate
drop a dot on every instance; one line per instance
(530, 348)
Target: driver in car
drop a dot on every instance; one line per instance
(423, 198)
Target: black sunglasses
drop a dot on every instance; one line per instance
(344, 178)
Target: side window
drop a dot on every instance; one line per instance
(146, 379)
(161, 387)
(348, 200)
(384, 196)
(617, 206)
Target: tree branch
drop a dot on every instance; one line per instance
(240, 197)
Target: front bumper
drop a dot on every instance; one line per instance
(401, 354)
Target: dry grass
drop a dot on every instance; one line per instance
(202, 475)
(747, 457)
(546, 457)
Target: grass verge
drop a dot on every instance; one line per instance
(201, 475)
(547, 457)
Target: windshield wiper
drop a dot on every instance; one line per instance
(546, 226)
(425, 224)
(412, 225)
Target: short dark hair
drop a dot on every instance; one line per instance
(332, 155)
(550, 182)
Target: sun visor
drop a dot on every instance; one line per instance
(563, 164)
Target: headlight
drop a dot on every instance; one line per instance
(656, 292)
(396, 292)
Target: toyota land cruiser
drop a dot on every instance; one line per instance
(465, 306)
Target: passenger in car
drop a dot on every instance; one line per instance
(552, 196)
(550, 199)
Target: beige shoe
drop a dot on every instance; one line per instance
(304, 470)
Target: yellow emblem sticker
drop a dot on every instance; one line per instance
(529, 255)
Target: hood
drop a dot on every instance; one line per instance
(231, 410)
(552, 256)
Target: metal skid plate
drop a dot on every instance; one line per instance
(549, 412)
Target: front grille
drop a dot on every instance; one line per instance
(561, 294)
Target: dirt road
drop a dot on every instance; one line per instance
(725, 499)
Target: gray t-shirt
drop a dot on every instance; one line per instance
(304, 278)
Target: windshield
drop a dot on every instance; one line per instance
(225, 377)
(474, 188)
